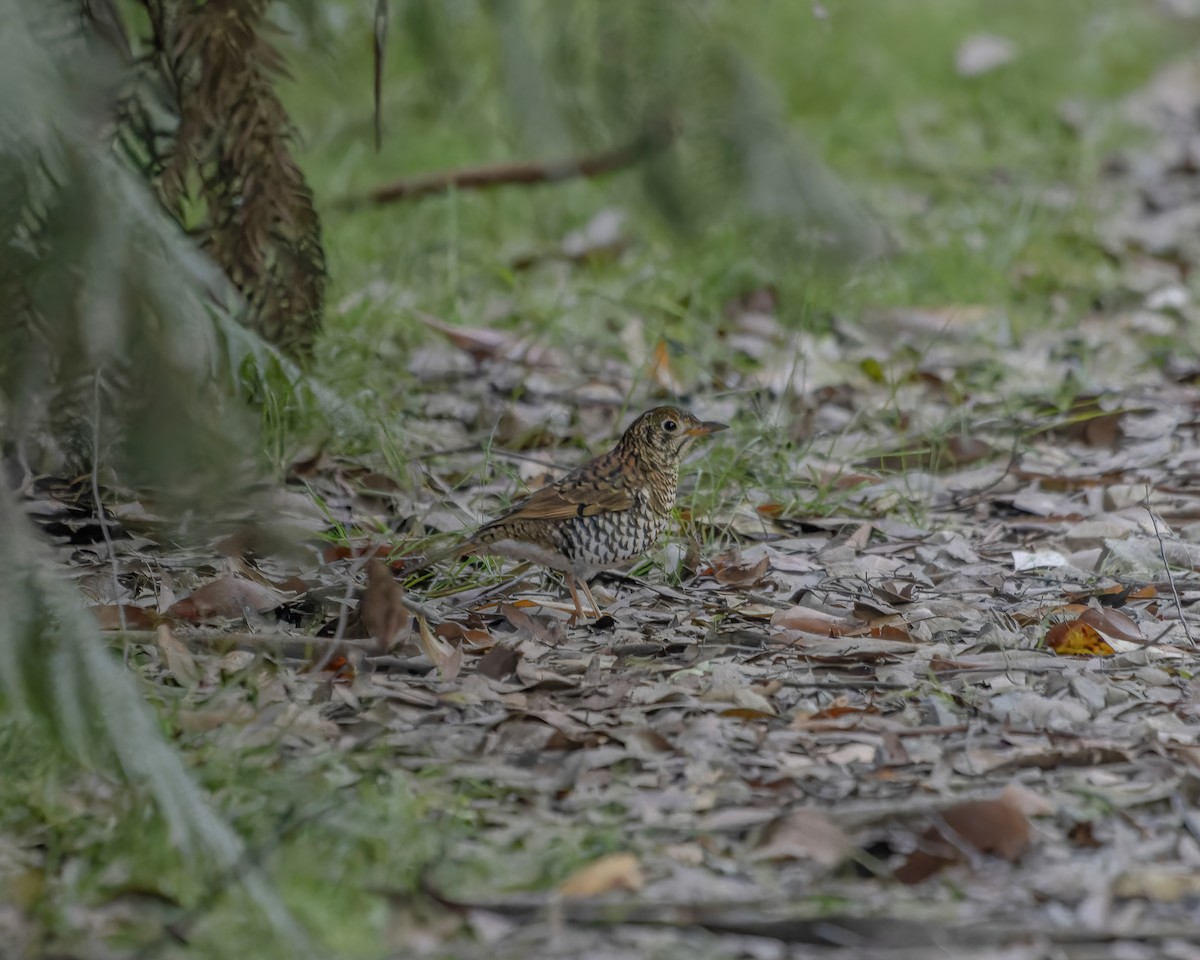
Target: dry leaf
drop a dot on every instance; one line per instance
(813, 621)
(478, 637)
(447, 658)
(177, 657)
(226, 598)
(617, 871)
(499, 663)
(729, 569)
(1114, 623)
(542, 629)
(839, 708)
(661, 373)
(1164, 884)
(1074, 638)
(343, 551)
(803, 835)
(477, 342)
(108, 616)
(1082, 834)
(983, 826)
(966, 450)
(1028, 801)
(384, 613)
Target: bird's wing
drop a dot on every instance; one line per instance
(582, 494)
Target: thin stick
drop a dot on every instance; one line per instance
(524, 172)
(1162, 552)
(99, 504)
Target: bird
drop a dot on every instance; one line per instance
(606, 512)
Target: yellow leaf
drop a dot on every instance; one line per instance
(617, 871)
(1077, 639)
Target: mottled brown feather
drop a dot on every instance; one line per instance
(603, 488)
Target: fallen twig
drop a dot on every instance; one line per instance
(524, 172)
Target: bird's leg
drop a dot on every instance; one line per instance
(592, 600)
(575, 595)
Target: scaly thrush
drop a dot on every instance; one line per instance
(604, 513)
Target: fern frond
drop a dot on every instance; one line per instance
(226, 170)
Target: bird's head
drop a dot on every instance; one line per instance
(662, 435)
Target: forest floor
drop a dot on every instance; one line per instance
(916, 670)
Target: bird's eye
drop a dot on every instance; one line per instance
(670, 426)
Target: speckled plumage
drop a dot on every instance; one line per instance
(604, 513)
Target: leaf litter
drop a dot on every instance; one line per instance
(969, 668)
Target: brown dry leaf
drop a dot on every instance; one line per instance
(1082, 834)
(1074, 638)
(1028, 801)
(542, 629)
(747, 713)
(813, 621)
(478, 637)
(966, 450)
(887, 628)
(447, 658)
(179, 660)
(342, 551)
(896, 591)
(729, 569)
(108, 617)
(499, 663)
(803, 835)
(226, 598)
(617, 871)
(1099, 430)
(479, 343)
(212, 718)
(661, 373)
(987, 826)
(1114, 623)
(384, 613)
(341, 669)
(839, 708)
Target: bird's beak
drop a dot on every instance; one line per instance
(704, 428)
